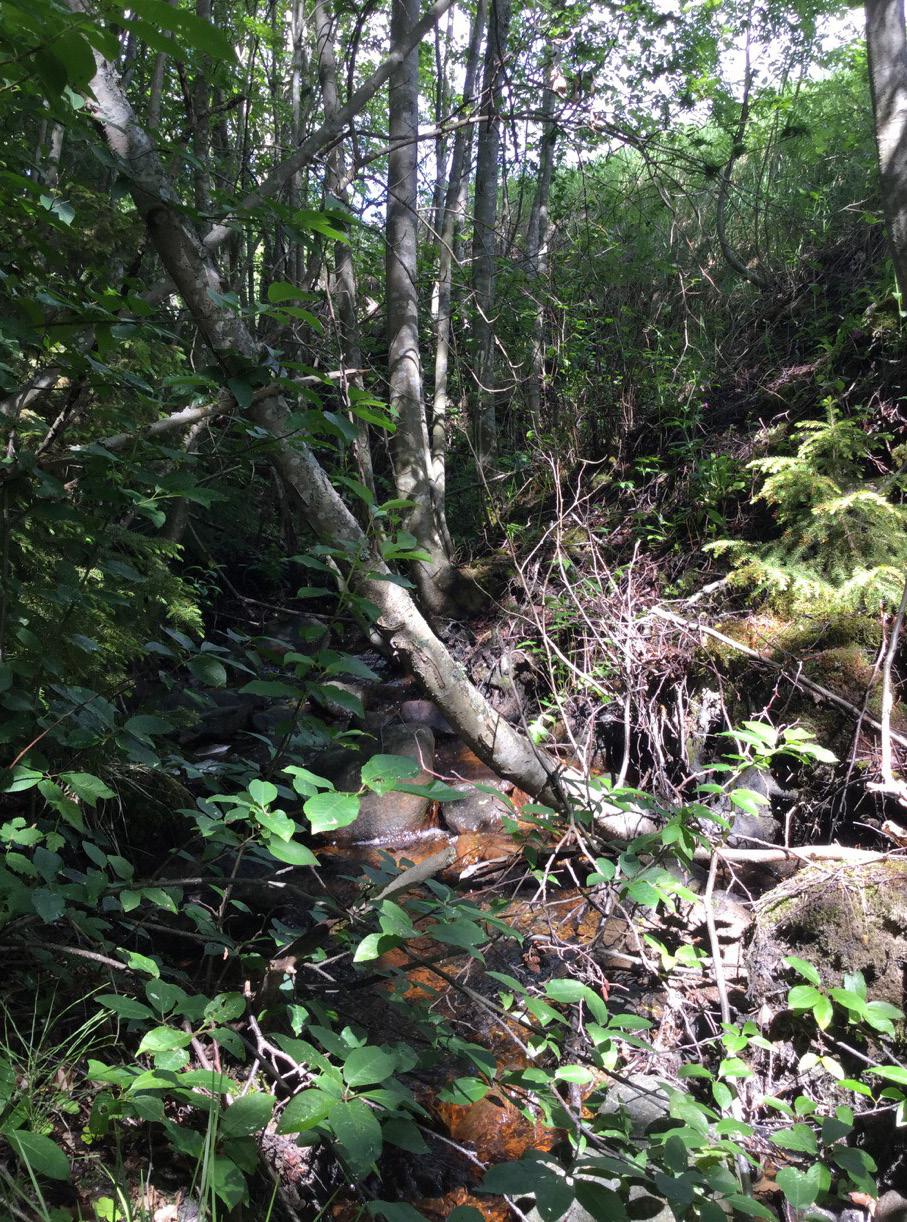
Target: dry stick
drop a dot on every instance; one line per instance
(92, 955)
(721, 983)
(797, 680)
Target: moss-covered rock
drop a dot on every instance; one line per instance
(840, 918)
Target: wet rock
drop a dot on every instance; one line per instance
(425, 713)
(642, 1096)
(476, 812)
(390, 818)
(301, 634)
(746, 827)
(223, 715)
(278, 718)
(342, 699)
(892, 1207)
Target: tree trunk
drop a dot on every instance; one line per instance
(435, 576)
(448, 226)
(297, 32)
(484, 251)
(886, 44)
(344, 272)
(537, 249)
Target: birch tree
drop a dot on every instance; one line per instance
(436, 577)
(886, 45)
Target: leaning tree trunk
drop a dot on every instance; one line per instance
(886, 44)
(484, 251)
(435, 576)
(399, 621)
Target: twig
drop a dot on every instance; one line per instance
(91, 955)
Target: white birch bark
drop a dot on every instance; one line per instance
(436, 576)
(886, 45)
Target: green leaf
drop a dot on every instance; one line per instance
(799, 1137)
(160, 898)
(190, 30)
(57, 799)
(823, 1011)
(262, 792)
(19, 779)
(368, 1065)
(305, 782)
(398, 1213)
(382, 772)
(292, 853)
(748, 800)
(806, 970)
(329, 811)
(803, 997)
(305, 1110)
(763, 731)
(85, 785)
(755, 1209)
(208, 670)
(458, 933)
(849, 999)
(373, 945)
(164, 1039)
(228, 1181)
(404, 1134)
(280, 290)
(567, 991)
(578, 1074)
(358, 1134)
(511, 1179)
(248, 1114)
(277, 822)
(892, 1073)
(40, 1153)
(163, 995)
(799, 1187)
(125, 1007)
(463, 1091)
(49, 905)
(225, 1007)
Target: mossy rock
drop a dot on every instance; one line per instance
(838, 657)
(840, 918)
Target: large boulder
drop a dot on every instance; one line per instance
(390, 818)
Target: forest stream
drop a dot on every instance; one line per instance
(453, 611)
(653, 967)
